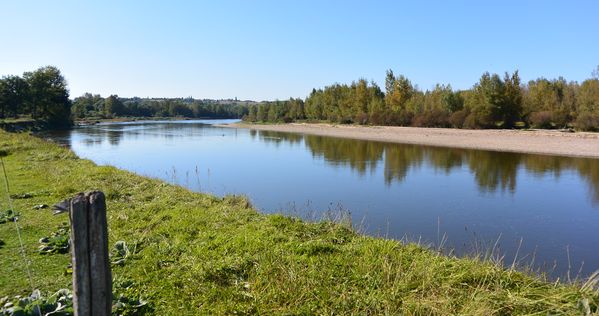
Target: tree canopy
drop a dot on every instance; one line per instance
(493, 102)
(42, 94)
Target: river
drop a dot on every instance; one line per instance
(534, 210)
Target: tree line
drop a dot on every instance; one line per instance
(43, 95)
(89, 106)
(493, 102)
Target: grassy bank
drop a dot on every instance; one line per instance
(22, 124)
(195, 253)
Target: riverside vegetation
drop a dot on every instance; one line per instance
(42, 96)
(492, 102)
(196, 253)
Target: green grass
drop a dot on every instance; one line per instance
(193, 253)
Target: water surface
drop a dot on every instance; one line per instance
(545, 208)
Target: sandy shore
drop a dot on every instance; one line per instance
(547, 142)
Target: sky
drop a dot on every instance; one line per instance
(266, 50)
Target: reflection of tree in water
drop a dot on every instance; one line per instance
(589, 170)
(358, 154)
(114, 137)
(541, 165)
(114, 133)
(399, 159)
(494, 169)
(445, 159)
(279, 137)
(92, 142)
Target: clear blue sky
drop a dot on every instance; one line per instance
(279, 49)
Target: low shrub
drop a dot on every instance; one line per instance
(541, 119)
(432, 118)
(587, 122)
(458, 118)
(477, 120)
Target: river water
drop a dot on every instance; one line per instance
(536, 210)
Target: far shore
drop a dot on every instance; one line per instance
(126, 119)
(547, 142)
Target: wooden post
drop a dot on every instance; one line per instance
(92, 279)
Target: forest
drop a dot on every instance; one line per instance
(43, 95)
(493, 102)
(94, 106)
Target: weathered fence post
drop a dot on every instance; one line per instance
(92, 279)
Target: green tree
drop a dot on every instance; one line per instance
(273, 112)
(262, 113)
(588, 106)
(13, 96)
(113, 106)
(86, 105)
(252, 113)
(360, 99)
(511, 106)
(314, 105)
(399, 94)
(48, 96)
(452, 101)
(588, 96)
(389, 82)
(482, 103)
(296, 109)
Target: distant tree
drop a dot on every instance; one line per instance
(252, 113)
(296, 109)
(452, 101)
(360, 99)
(48, 96)
(177, 108)
(313, 105)
(549, 103)
(389, 82)
(274, 111)
(484, 102)
(588, 106)
(376, 102)
(87, 105)
(588, 96)
(113, 106)
(262, 113)
(13, 95)
(399, 95)
(511, 107)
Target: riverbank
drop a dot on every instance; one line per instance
(23, 125)
(194, 253)
(548, 142)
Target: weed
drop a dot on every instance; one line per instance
(9, 216)
(57, 242)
